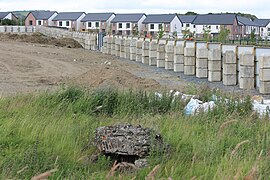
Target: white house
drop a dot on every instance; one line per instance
(264, 25)
(69, 20)
(169, 23)
(213, 23)
(8, 15)
(187, 21)
(124, 24)
(97, 21)
(248, 26)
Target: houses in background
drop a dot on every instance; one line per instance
(264, 27)
(8, 15)
(97, 22)
(248, 26)
(188, 24)
(169, 23)
(127, 24)
(69, 20)
(40, 18)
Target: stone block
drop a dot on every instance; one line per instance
(139, 51)
(145, 60)
(264, 74)
(179, 50)
(169, 65)
(169, 57)
(214, 76)
(161, 48)
(145, 45)
(229, 79)
(189, 52)
(152, 61)
(189, 61)
(153, 46)
(133, 57)
(247, 71)
(153, 54)
(264, 87)
(264, 62)
(161, 63)
(178, 59)
(246, 83)
(247, 59)
(122, 54)
(178, 67)
(201, 63)
(161, 55)
(214, 65)
(133, 50)
(145, 53)
(139, 44)
(201, 72)
(202, 53)
(214, 55)
(138, 58)
(189, 70)
(133, 43)
(169, 48)
(230, 69)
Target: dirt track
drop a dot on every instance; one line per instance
(27, 67)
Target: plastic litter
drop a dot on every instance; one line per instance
(195, 106)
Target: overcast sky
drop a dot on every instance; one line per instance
(258, 7)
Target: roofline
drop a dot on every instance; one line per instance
(143, 14)
(175, 14)
(34, 16)
(235, 16)
(112, 13)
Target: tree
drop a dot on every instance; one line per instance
(252, 36)
(191, 13)
(8, 22)
(206, 32)
(223, 34)
(135, 30)
(160, 33)
(187, 33)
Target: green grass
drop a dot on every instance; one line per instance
(40, 132)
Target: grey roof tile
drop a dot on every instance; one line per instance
(97, 17)
(64, 16)
(262, 22)
(215, 19)
(159, 18)
(3, 14)
(246, 21)
(42, 15)
(127, 17)
(187, 18)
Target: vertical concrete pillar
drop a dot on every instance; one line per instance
(127, 48)
(202, 63)
(247, 71)
(264, 74)
(104, 45)
(109, 45)
(214, 65)
(169, 56)
(161, 54)
(153, 53)
(189, 61)
(117, 46)
(178, 58)
(133, 49)
(113, 45)
(229, 68)
(145, 51)
(139, 50)
(122, 48)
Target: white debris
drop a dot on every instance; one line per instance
(75, 60)
(195, 106)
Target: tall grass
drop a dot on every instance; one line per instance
(56, 130)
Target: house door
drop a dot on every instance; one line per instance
(30, 23)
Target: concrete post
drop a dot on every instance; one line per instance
(153, 53)
(139, 50)
(113, 52)
(105, 45)
(189, 61)
(109, 45)
(122, 48)
(178, 58)
(169, 57)
(264, 74)
(202, 63)
(247, 71)
(214, 65)
(145, 52)
(117, 46)
(161, 55)
(133, 49)
(127, 49)
(229, 68)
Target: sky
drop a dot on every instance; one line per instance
(256, 7)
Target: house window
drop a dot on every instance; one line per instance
(152, 26)
(120, 26)
(187, 25)
(262, 29)
(128, 32)
(120, 33)
(39, 23)
(194, 26)
(160, 26)
(60, 23)
(216, 27)
(268, 29)
(89, 24)
(67, 23)
(30, 23)
(128, 25)
(113, 31)
(97, 24)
